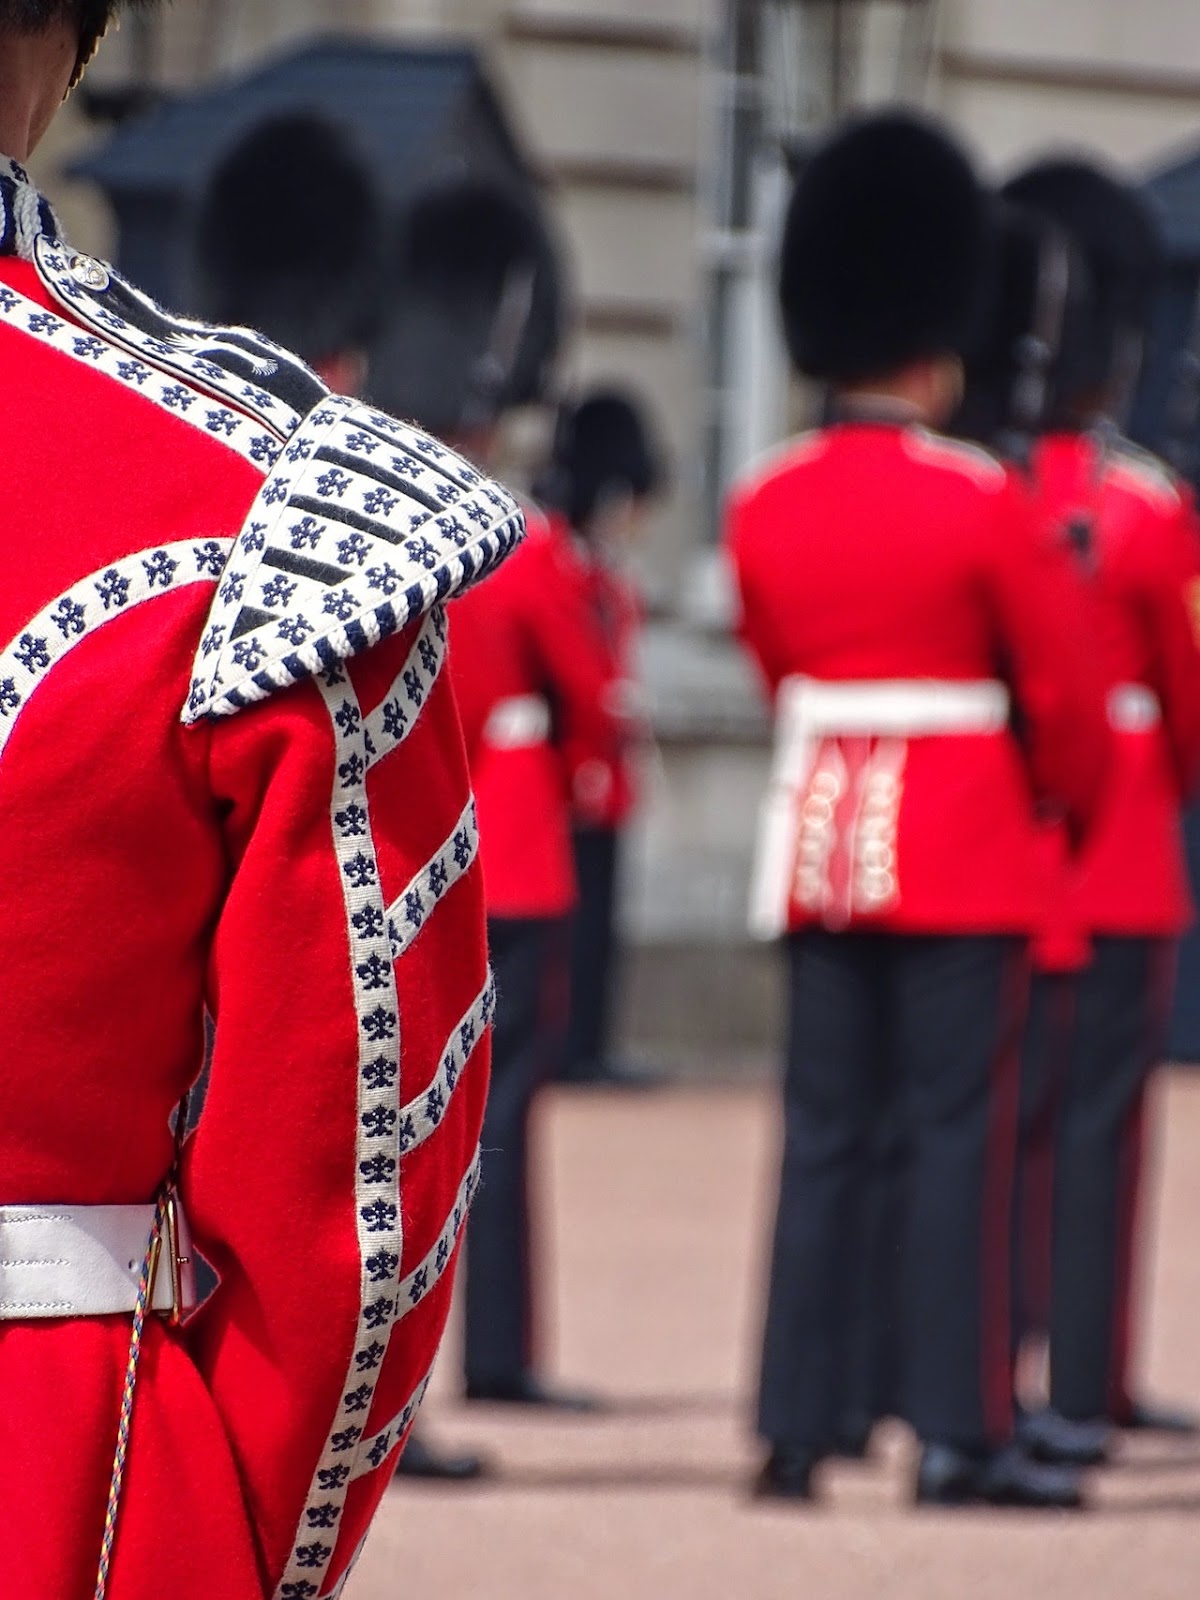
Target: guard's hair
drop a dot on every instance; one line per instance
(885, 250)
(90, 17)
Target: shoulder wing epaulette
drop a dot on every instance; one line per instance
(1145, 474)
(240, 367)
(363, 526)
(971, 461)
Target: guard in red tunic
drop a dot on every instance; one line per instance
(264, 267)
(901, 607)
(231, 778)
(604, 471)
(1041, 305)
(476, 326)
(1134, 535)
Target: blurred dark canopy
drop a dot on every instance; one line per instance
(414, 112)
(1167, 383)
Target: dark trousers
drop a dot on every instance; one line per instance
(498, 1300)
(593, 947)
(1045, 1054)
(930, 1025)
(873, 1378)
(1122, 1004)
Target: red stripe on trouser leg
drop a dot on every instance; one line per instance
(1161, 988)
(1128, 1207)
(553, 1012)
(996, 1244)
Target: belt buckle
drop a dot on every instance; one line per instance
(175, 1262)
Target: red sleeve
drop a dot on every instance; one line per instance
(1039, 599)
(1171, 598)
(749, 625)
(335, 1157)
(573, 657)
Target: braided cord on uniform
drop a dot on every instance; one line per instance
(129, 1391)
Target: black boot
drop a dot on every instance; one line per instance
(419, 1460)
(1143, 1416)
(786, 1474)
(1005, 1477)
(852, 1437)
(526, 1389)
(1055, 1440)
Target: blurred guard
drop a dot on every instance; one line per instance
(229, 755)
(475, 327)
(901, 609)
(318, 292)
(602, 475)
(260, 262)
(1013, 381)
(1133, 534)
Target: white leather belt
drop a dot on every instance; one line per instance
(904, 709)
(1133, 708)
(810, 710)
(86, 1261)
(518, 723)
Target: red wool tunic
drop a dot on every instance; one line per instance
(604, 793)
(526, 640)
(231, 777)
(874, 556)
(1141, 577)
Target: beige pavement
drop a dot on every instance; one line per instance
(658, 1246)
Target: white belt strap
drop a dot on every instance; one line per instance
(810, 710)
(518, 723)
(85, 1261)
(905, 709)
(1133, 708)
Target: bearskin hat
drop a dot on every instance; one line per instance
(287, 238)
(1120, 240)
(602, 447)
(474, 308)
(884, 250)
(1019, 365)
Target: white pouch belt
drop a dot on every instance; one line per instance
(86, 1261)
(902, 709)
(812, 709)
(1132, 708)
(518, 723)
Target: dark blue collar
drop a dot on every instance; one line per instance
(24, 214)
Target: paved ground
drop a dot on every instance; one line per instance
(658, 1250)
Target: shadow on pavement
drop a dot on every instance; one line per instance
(667, 1475)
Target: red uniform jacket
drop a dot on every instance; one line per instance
(870, 556)
(604, 793)
(534, 678)
(231, 777)
(1141, 575)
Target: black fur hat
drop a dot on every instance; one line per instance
(287, 238)
(602, 446)
(1122, 245)
(885, 250)
(1041, 305)
(475, 307)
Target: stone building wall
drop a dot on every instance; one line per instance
(617, 102)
